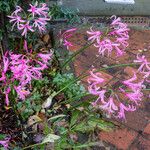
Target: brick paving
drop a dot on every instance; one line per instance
(134, 134)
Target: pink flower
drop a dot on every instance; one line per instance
(22, 93)
(7, 91)
(18, 9)
(66, 35)
(33, 9)
(45, 57)
(123, 108)
(3, 77)
(67, 44)
(117, 21)
(42, 10)
(95, 35)
(108, 46)
(100, 99)
(17, 21)
(131, 83)
(40, 23)
(42, 66)
(144, 66)
(5, 68)
(5, 143)
(16, 18)
(95, 78)
(135, 96)
(122, 41)
(25, 27)
(14, 57)
(113, 39)
(6, 64)
(109, 106)
(105, 100)
(25, 46)
(21, 70)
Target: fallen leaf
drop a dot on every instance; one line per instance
(50, 138)
(47, 103)
(33, 120)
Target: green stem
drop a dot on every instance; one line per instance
(141, 89)
(21, 44)
(145, 89)
(75, 54)
(31, 146)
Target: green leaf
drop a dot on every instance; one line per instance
(50, 138)
(85, 145)
(74, 117)
(2, 136)
(56, 117)
(101, 124)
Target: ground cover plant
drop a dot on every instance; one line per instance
(42, 106)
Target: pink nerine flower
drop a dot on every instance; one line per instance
(109, 106)
(7, 91)
(5, 143)
(135, 96)
(41, 23)
(132, 84)
(22, 93)
(105, 98)
(45, 57)
(30, 22)
(18, 10)
(95, 78)
(33, 9)
(15, 18)
(107, 46)
(5, 68)
(41, 10)
(101, 97)
(66, 35)
(17, 21)
(22, 70)
(95, 35)
(123, 108)
(25, 46)
(114, 38)
(144, 66)
(6, 64)
(25, 28)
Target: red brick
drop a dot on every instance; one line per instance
(136, 120)
(147, 129)
(121, 138)
(140, 144)
(139, 40)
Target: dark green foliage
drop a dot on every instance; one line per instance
(76, 89)
(7, 5)
(60, 12)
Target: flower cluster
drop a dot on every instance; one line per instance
(114, 38)
(35, 19)
(110, 102)
(22, 70)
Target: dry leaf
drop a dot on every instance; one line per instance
(33, 120)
